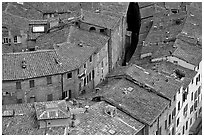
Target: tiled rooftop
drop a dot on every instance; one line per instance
(12, 20)
(22, 123)
(96, 121)
(37, 64)
(192, 30)
(90, 38)
(46, 41)
(23, 10)
(163, 33)
(168, 69)
(51, 7)
(73, 56)
(99, 19)
(161, 84)
(188, 52)
(51, 110)
(145, 106)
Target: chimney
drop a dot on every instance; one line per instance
(86, 109)
(23, 64)
(110, 110)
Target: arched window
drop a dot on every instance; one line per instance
(92, 29)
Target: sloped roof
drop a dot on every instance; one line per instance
(12, 20)
(143, 105)
(52, 7)
(99, 19)
(46, 41)
(190, 53)
(51, 110)
(168, 69)
(73, 56)
(96, 121)
(23, 10)
(161, 84)
(90, 38)
(162, 35)
(38, 63)
(193, 26)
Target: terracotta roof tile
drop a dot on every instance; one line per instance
(96, 121)
(51, 110)
(46, 41)
(51, 7)
(12, 20)
(38, 63)
(90, 38)
(99, 19)
(22, 10)
(162, 35)
(190, 53)
(141, 104)
(72, 56)
(161, 84)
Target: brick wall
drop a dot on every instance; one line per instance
(39, 91)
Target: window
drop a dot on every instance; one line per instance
(178, 105)
(18, 85)
(199, 90)
(169, 119)
(85, 65)
(200, 110)
(49, 97)
(90, 59)
(102, 64)
(198, 66)
(196, 80)
(183, 129)
(77, 71)
(32, 83)
(192, 96)
(102, 30)
(195, 95)
(92, 74)
(185, 110)
(165, 124)
(84, 81)
(49, 80)
(195, 104)
(15, 39)
(19, 101)
(192, 81)
(191, 109)
(190, 121)
(174, 97)
(5, 40)
(199, 77)
(38, 29)
(173, 131)
(80, 86)
(184, 96)
(69, 75)
(187, 125)
(175, 62)
(87, 77)
(177, 123)
(92, 29)
(174, 113)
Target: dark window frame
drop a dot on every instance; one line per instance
(32, 83)
(49, 80)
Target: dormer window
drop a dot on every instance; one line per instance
(38, 29)
(92, 29)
